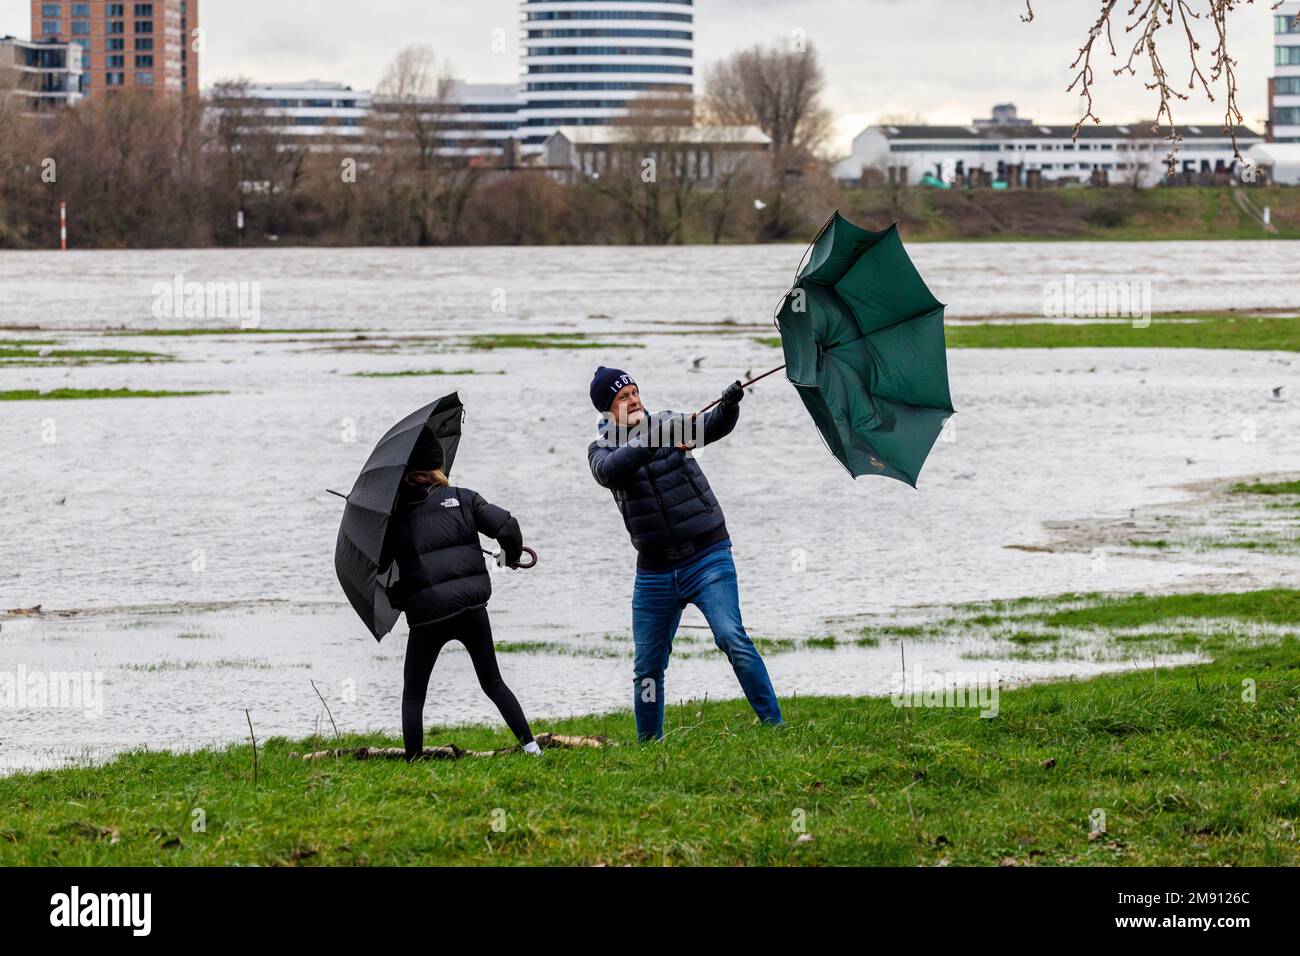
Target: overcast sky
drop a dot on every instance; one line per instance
(946, 61)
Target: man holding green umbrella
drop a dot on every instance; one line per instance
(677, 527)
(864, 345)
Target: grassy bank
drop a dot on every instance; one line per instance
(1225, 330)
(69, 394)
(1183, 764)
(1116, 213)
(39, 354)
(1222, 331)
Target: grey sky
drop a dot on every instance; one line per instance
(944, 60)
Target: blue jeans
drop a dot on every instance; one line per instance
(657, 602)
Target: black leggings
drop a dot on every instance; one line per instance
(472, 629)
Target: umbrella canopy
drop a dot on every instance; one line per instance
(864, 347)
(423, 439)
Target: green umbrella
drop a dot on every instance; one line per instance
(864, 347)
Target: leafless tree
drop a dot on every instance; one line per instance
(264, 166)
(654, 169)
(420, 188)
(778, 89)
(1142, 22)
(412, 104)
(10, 151)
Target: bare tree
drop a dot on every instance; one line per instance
(422, 187)
(1141, 153)
(900, 119)
(412, 103)
(10, 151)
(263, 167)
(1142, 22)
(654, 168)
(775, 88)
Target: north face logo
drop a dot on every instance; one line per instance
(451, 503)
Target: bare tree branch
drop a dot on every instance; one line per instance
(1142, 21)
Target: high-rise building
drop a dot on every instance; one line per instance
(191, 44)
(46, 74)
(1284, 87)
(128, 45)
(584, 60)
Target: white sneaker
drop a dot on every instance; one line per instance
(532, 748)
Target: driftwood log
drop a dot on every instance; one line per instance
(452, 752)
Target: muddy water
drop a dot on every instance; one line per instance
(199, 533)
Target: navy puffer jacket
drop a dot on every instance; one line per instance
(434, 541)
(667, 505)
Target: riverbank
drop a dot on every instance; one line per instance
(1116, 213)
(1156, 765)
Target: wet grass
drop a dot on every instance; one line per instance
(1213, 331)
(224, 663)
(61, 394)
(1280, 606)
(1190, 766)
(1224, 331)
(411, 373)
(31, 354)
(233, 330)
(547, 340)
(558, 648)
(1266, 488)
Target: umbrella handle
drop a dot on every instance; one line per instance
(523, 567)
(757, 378)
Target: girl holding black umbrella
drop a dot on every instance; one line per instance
(409, 541)
(444, 586)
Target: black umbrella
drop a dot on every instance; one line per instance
(364, 570)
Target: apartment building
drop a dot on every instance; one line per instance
(152, 46)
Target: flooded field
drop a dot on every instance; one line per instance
(182, 546)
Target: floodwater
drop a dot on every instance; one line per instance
(194, 536)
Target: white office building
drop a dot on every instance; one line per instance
(481, 118)
(314, 109)
(1021, 153)
(583, 60)
(1284, 102)
(477, 119)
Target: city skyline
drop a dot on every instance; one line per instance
(949, 73)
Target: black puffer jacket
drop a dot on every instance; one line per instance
(667, 505)
(434, 540)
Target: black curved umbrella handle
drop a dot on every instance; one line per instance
(521, 566)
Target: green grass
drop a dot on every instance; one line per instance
(58, 394)
(23, 355)
(1210, 332)
(1186, 766)
(233, 330)
(1275, 606)
(1070, 214)
(548, 340)
(1266, 488)
(420, 372)
(1223, 331)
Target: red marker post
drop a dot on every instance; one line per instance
(63, 226)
